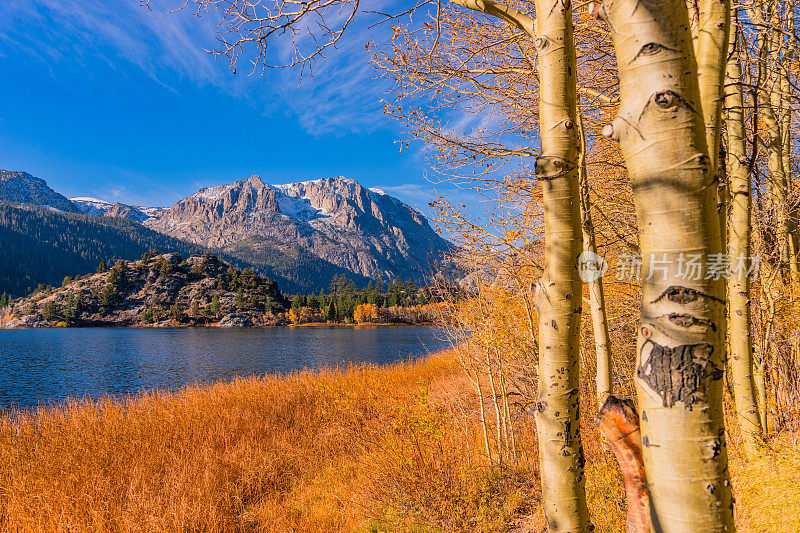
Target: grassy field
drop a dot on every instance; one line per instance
(365, 449)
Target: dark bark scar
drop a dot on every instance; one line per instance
(687, 321)
(650, 49)
(677, 374)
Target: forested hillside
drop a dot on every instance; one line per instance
(41, 246)
(301, 234)
(47, 245)
(298, 269)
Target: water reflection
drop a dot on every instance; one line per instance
(41, 366)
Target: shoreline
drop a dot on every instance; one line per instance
(195, 326)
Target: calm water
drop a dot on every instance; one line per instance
(48, 365)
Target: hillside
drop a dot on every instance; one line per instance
(22, 188)
(42, 246)
(157, 290)
(296, 268)
(301, 234)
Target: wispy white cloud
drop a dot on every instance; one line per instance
(111, 31)
(340, 97)
(344, 91)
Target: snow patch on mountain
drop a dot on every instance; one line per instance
(294, 203)
(211, 194)
(298, 207)
(91, 206)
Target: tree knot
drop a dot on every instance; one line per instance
(549, 167)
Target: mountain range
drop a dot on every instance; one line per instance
(301, 234)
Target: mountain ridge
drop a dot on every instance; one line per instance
(335, 219)
(304, 233)
(22, 188)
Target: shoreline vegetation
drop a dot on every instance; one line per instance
(168, 291)
(362, 449)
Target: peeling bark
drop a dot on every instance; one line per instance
(619, 424)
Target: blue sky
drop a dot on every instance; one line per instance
(104, 98)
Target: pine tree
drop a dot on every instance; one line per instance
(215, 307)
(109, 296)
(176, 312)
(69, 306)
(79, 305)
(297, 303)
(50, 310)
(164, 266)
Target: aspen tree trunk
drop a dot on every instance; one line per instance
(741, 349)
(754, 13)
(680, 347)
(786, 125)
(711, 50)
(760, 370)
(558, 294)
(772, 124)
(597, 299)
(483, 417)
(498, 421)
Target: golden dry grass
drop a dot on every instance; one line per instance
(767, 488)
(360, 449)
(363, 449)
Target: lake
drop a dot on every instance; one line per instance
(40, 366)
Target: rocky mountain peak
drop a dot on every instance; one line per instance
(305, 232)
(22, 188)
(335, 219)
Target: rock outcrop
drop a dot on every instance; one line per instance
(157, 291)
